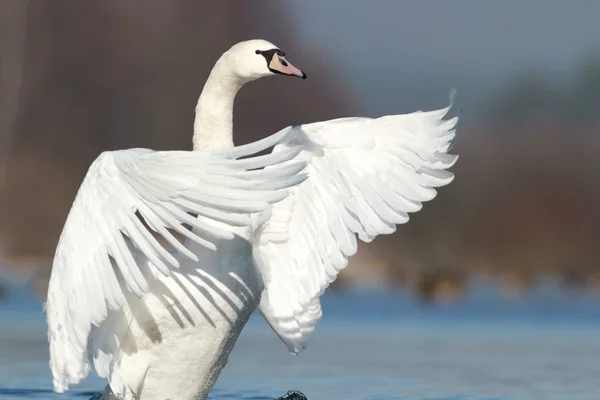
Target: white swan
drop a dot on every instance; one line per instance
(162, 324)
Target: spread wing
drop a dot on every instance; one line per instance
(365, 177)
(95, 261)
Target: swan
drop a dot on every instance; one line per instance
(267, 232)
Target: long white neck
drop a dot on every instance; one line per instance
(213, 125)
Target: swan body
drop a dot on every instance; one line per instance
(268, 232)
(178, 337)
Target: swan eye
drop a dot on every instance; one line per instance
(258, 51)
(280, 53)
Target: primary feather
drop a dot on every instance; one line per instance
(95, 262)
(365, 177)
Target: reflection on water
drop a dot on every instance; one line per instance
(375, 346)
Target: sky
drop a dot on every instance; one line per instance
(473, 44)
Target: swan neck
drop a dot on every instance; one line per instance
(213, 125)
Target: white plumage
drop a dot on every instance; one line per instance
(163, 187)
(162, 323)
(365, 176)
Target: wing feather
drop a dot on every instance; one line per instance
(365, 177)
(96, 261)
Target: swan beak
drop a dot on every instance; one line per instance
(280, 65)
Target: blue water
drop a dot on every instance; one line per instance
(373, 345)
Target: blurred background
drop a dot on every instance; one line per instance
(78, 78)
(81, 77)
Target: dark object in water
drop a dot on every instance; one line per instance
(293, 395)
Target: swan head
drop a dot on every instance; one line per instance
(254, 59)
